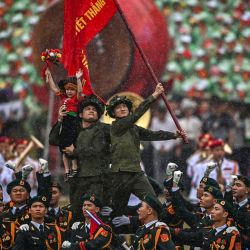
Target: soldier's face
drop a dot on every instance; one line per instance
(37, 210)
(144, 211)
(19, 194)
(240, 190)
(207, 200)
(91, 207)
(55, 196)
(121, 110)
(218, 213)
(166, 194)
(89, 114)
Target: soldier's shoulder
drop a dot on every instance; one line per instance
(232, 230)
(67, 208)
(161, 224)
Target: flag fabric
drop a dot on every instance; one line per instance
(83, 19)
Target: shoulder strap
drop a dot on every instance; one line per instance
(157, 235)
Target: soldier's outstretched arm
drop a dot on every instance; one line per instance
(149, 135)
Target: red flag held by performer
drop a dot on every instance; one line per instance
(82, 21)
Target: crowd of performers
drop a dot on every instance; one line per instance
(108, 171)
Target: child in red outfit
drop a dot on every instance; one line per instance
(70, 92)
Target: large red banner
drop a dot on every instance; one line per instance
(83, 19)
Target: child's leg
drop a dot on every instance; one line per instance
(66, 164)
(74, 164)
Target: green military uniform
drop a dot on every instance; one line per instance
(125, 156)
(93, 154)
(92, 150)
(32, 239)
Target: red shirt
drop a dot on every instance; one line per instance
(71, 103)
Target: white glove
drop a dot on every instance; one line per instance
(121, 221)
(24, 227)
(106, 211)
(171, 167)
(234, 177)
(160, 224)
(66, 244)
(44, 166)
(231, 229)
(75, 225)
(177, 176)
(210, 167)
(230, 181)
(10, 165)
(26, 171)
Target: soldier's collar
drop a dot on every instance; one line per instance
(219, 229)
(36, 224)
(242, 203)
(149, 224)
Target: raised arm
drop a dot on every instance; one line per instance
(120, 126)
(51, 82)
(80, 95)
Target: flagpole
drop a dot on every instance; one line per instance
(177, 124)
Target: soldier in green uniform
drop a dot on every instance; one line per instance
(87, 234)
(125, 148)
(38, 235)
(92, 149)
(153, 235)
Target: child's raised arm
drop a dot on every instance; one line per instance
(51, 82)
(80, 95)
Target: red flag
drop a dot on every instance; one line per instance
(83, 19)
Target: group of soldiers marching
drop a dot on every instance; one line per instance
(108, 158)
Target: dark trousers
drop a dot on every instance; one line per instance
(125, 183)
(81, 186)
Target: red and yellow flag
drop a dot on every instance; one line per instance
(83, 19)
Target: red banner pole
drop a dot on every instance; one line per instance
(177, 124)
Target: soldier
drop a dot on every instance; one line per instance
(92, 151)
(153, 234)
(87, 235)
(16, 212)
(221, 236)
(60, 216)
(125, 141)
(240, 192)
(207, 199)
(37, 234)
